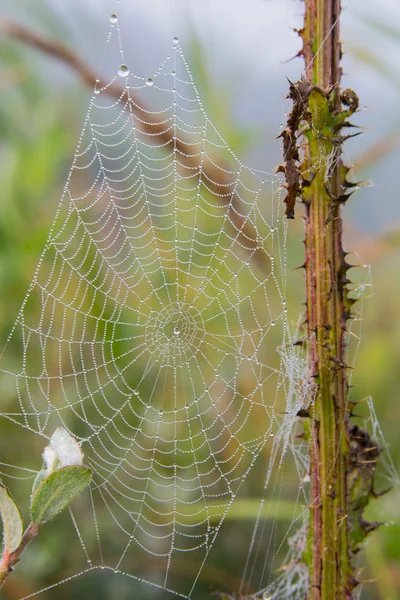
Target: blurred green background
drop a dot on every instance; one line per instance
(42, 106)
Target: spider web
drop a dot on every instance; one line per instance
(150, 329)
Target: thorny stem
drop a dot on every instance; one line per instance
(327, 313)
(341, 480)
(9, 559)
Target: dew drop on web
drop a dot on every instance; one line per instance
(123, 71)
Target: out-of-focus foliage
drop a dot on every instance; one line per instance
(38, 133)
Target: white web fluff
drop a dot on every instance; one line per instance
(293, 583)
(266, 545)
(150, 330)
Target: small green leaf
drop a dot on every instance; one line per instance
(319, 108)
(38, 480)
(57, 490)
(12, 521)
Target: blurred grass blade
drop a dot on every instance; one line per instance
(380, 65)
(386, 29)
(244, 509)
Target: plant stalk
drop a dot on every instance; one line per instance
(10, 559)
(327, 313)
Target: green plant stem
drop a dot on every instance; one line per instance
(9, 559)
(327, 313)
